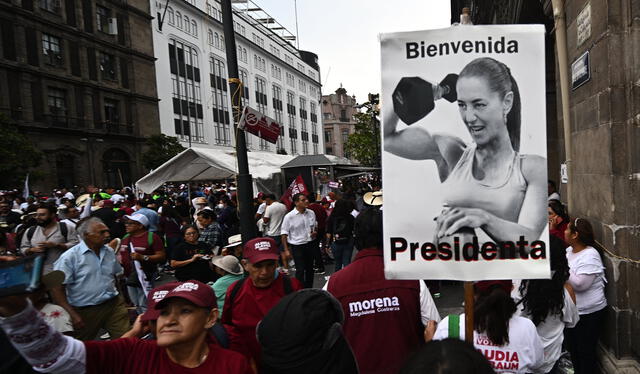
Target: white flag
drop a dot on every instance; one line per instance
(25, 191)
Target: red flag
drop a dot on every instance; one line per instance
(297, 186)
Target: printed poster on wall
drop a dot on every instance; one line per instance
(464, 162)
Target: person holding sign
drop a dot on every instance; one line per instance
(487, 183)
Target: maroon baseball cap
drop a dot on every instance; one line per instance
(154, 297)
(194, 291)
(260, 249)
(484, 287)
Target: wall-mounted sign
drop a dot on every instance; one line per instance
(564, 175)
(580, 71)
(583, 24)
(259, 125)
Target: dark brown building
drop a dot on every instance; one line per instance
(604, 108)
(338, 123)
(78, 77)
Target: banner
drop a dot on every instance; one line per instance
(464, 163)
(259, 125)
(297, 186)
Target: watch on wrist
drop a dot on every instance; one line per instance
(145, 258)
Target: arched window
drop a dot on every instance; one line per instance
(216, 40)
(187, 25)
(221, 42)
(179, 20)
(172, 16)
(194, 28)
(117, 167)
(210, 37)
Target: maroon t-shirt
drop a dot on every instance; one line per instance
(249, 306)
(382, 317)
(129, 356)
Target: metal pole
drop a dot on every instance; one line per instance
(295, 6)
(468, 312)
(245, 189)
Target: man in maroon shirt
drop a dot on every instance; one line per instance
(248, 300)
(380, 310)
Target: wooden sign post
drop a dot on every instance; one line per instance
(468, 311)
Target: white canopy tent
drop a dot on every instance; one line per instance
(197, 164)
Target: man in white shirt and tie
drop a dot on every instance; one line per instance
(299, 229)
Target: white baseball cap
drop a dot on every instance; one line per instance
(140, 218)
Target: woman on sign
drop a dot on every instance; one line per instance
(487, 184)
(183, 344)
(586, 276)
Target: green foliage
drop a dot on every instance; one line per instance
(364, 143)
(160, 149)
(17, 155)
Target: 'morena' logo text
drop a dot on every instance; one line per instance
(377, 305)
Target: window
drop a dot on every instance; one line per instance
(301, 67)
(172, 16)
(214, 12)
(276, 72)
(258, 40)
(291, 115)
(111, 114)
(238, 28)
(327, 115)
(261, 105)
(291, 81)
(194, 28)
(50, 5)
(187, 98)
(274, 50)
(242, 54)
(259, 63)
(311, 73)
(343, 116)
(345, 136)
(314, 126)
(277, 109)
(179, 20)
(103, 18)
(219, 100)
(328, 137)
(302, 85)
(288, 59)
(108, 66)
(210, 37)
(51, 48)
(187, 25)
(304, 134)
(57, 103)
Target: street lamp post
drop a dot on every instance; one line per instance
(245, 188)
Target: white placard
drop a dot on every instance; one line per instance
(583, 24)
(465, 185)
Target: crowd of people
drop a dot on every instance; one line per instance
(228, 305)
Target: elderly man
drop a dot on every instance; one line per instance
(90, 269)
(248, 300)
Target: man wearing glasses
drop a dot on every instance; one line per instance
(299, 229)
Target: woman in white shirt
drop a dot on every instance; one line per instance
(509, 342)
(550, 305)
(586, 276)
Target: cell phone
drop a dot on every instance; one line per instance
(21, 275)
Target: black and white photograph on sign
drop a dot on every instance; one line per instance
(464, 153)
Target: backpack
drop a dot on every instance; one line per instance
(64, 230)
(149, 239)
(341, 232)
(286, 285)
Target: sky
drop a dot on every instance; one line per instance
(344, 34)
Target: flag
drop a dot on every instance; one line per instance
(25, 191)
(297, 186)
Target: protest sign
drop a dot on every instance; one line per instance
(464, 162)
(297, 186)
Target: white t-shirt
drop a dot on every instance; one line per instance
(56, 317)
(275, 212)
(523, 353)
(551, 331)
(588, 262)
(298, 226)
(261, 208)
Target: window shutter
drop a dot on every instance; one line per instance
(87, 15)
(91, 61)
(32, 49)
(8, 40)
(70, 7)
(74, 58)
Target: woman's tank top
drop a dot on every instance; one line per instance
(502, 198)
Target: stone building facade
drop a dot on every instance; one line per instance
(337, 113)
(605, 143)
(78, 78)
